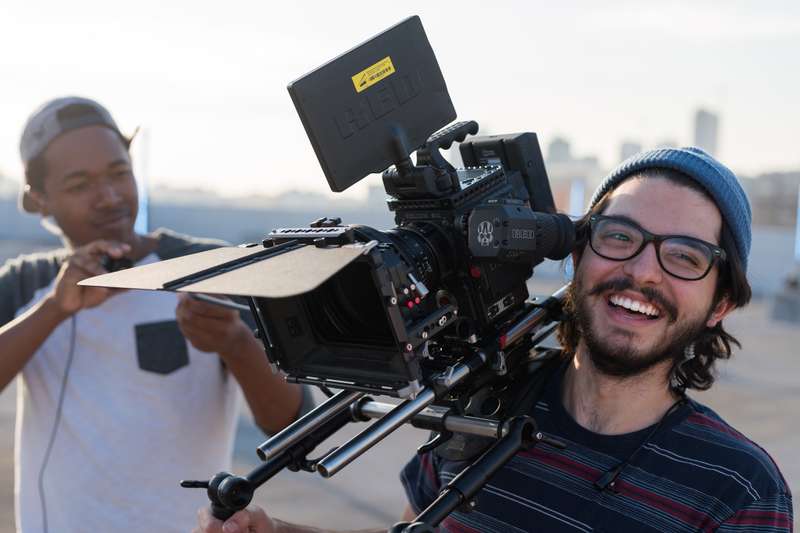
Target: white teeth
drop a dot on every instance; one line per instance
(636, 306)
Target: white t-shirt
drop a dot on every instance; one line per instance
(142, 409)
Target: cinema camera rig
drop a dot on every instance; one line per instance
(434, 312)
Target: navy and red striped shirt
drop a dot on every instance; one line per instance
(695, 473)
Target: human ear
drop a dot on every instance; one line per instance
(37, 200)
(570, 265)
(721, 310)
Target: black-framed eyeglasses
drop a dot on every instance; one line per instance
(680, 256)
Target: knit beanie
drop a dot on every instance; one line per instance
(717, 179)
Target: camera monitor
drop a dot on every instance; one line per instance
(357, 107)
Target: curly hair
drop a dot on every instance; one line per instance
(713, 343)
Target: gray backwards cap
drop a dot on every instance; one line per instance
(717, 179)
(53, 119)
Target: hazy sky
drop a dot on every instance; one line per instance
(207, 80)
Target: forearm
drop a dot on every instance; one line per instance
(20, 338)
(274, 403)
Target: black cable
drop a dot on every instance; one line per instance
(57, 421)
(609, 478)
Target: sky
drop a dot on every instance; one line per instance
(206, 81)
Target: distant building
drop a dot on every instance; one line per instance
(628, 149)
(559, 151)
(571, 176)
(773, 198)
(706, 125)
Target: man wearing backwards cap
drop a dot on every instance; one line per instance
(114, 406)
(661, 261)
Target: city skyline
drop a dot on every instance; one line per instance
(207, 84)
(558, 155)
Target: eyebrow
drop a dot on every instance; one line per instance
(83, 174)
(75, 175)
(627, 219)
(633, 222)
(118, 162)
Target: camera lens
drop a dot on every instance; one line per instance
(348, 309)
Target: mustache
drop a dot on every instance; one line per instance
(651, 294)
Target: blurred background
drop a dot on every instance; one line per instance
(597, 81)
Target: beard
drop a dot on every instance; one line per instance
(624, 360)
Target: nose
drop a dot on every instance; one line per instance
(644, 268)
(106, 194)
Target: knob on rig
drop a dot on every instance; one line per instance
(227, 493)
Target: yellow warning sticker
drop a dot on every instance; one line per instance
(372, 75)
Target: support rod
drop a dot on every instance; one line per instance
(345, 454)
(535, 319)
(437, 418)
(307, 424)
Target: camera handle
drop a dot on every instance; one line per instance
(228, 493)
(460, 492)
(442, 140)
(432, 176)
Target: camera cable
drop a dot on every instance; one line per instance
(609, 478)
(56, 421)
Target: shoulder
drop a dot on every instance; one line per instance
(36, 269)
(22, 276)
(172, 244)
(719, 446)
(421, 480)
(36, 261)
(718, 473)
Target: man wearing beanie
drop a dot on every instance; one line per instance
(661, 260)
(114, 405)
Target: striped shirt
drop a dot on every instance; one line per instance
(695, 473)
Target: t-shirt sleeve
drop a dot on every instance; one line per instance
(420, 479)
(772, 514)
(9, 299)
(22, 276)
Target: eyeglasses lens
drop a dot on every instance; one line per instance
(680, 256)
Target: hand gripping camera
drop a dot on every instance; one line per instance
(433, 312)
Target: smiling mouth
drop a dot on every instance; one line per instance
(111, 219)
(634, 307)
